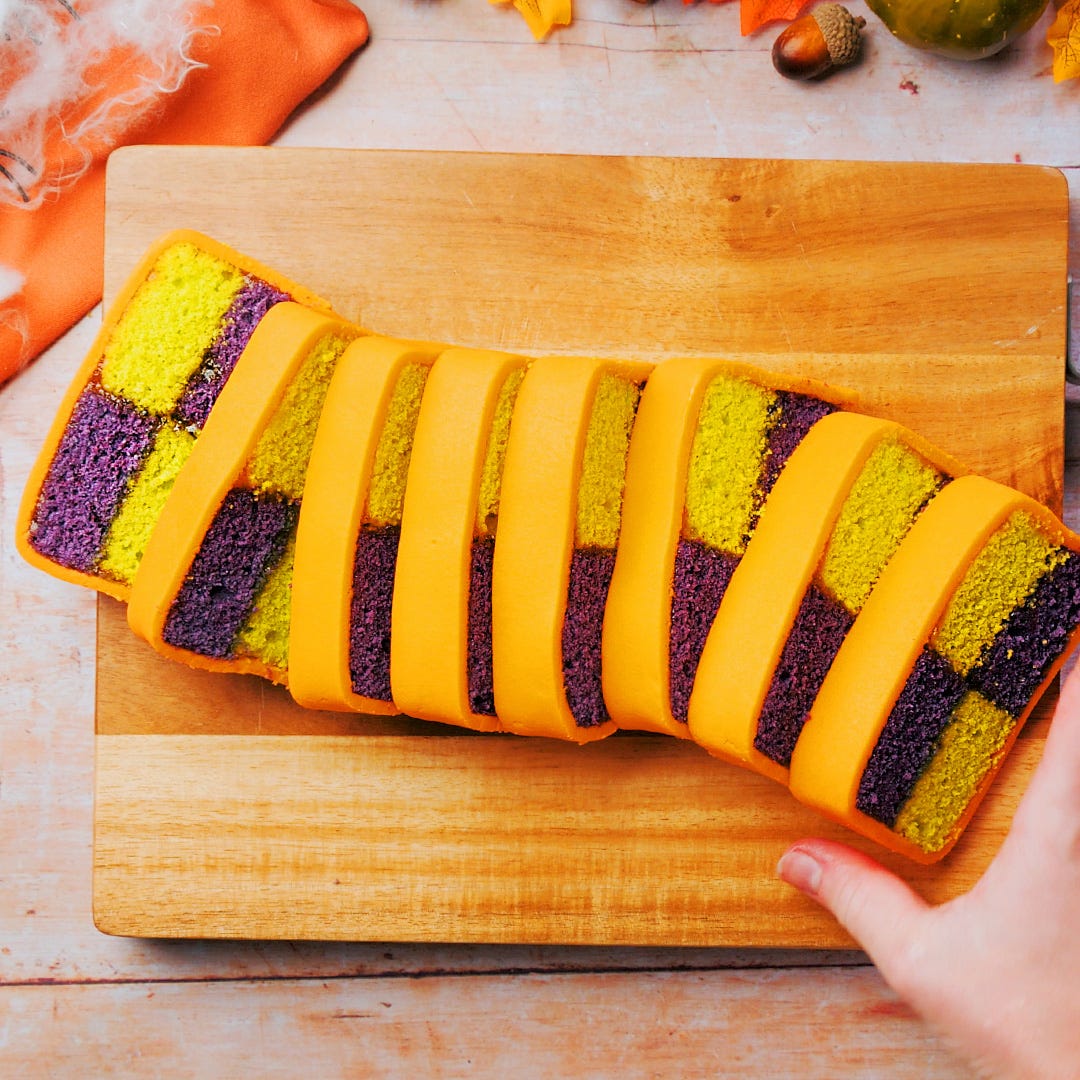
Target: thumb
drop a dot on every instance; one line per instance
(879, 910)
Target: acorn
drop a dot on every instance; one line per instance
(826, 38)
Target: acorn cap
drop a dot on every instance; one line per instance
(840, 29)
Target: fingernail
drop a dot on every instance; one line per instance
(802, 870)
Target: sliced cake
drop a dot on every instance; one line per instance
(560, 520)
(350, 527)
(557, 547)
(440, 650)
(213, 589)
(137, 405)
(849, 495)
(710, 440)
(969, 622)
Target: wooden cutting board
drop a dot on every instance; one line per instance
(224, 810)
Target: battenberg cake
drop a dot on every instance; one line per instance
(968, 624)
(710, 440)
(555, 547)
(137, 405)
(350, 527)
(440, 648)
(837, 515)
(213, 589)
(559, 524)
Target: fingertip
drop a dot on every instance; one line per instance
(826, 855)
(799, 868)
(876, 907)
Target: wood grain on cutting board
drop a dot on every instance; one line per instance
(222, 809)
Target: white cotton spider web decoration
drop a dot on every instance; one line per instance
(56, 111)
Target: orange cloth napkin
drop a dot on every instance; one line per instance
(264, 58)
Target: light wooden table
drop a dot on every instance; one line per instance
(665, 79)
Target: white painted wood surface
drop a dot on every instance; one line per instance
(460, 74)
(660, 1023)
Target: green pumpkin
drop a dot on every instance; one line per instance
(962, 29)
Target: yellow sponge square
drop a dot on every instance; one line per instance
(386, 494)
(265, 634)
(167, 327)
(603, 464)
(893, 486)
(725, 463)
(487, 505)
(967, 749)
(1000, 578)
(279, 464)
(130, 530)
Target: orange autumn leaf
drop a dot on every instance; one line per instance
(1064, 38)
(754, 14)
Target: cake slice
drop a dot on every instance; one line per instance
(710, 440)
(559, 525)
(968, 624)
(440, 649)
(350, 527)
(213, 588)
(137, 405)
(849, 495)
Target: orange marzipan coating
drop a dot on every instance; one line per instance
(87, 369)
(249, 399)
(535, 543)
(429, 640)
(763, 597)
(637, 623)
(880, 651)
(338, 479)
(767, 587)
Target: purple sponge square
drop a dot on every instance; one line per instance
(251, 303)
(590, 577)
(245, 540)
(702, 575)
(370, 609)
(100, 452)
(1035, 634)
(817, 633)
(798, 414)
(908, 741)
(479, 661)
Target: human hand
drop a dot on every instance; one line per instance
(997, 970)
